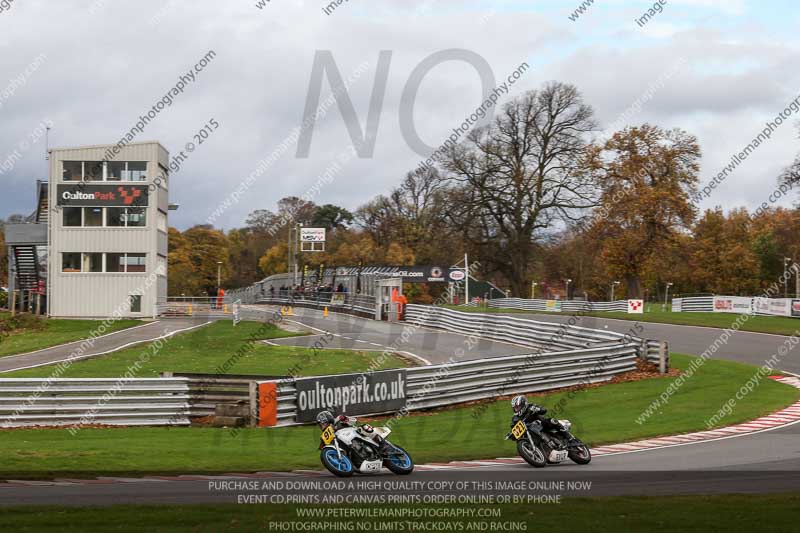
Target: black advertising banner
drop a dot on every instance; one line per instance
(102, 195)
(351, 394)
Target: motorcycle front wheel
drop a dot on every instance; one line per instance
(338, 466)
(532, 454)
(399, 461)
(580, 454)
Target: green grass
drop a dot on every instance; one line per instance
(206, 349)
(38, 333)
(600, 415)
(750, 512)
(777, 325)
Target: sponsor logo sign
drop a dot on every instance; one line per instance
(457, 275)
(351, 394)
(795, 307)
(312, 234)
(553, 306)
(636, 307)
(733, 304)
(773, 306)
(102, 195)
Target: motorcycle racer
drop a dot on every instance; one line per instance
(529, 412)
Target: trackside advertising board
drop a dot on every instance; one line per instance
(795, 307)
(636, 307)
(351, 394)
(773, 306)
(741, 305)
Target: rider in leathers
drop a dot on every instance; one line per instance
(530, 412)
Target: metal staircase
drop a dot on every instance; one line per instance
(26, 243)
(27, 267)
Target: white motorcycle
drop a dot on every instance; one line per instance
(362, 449)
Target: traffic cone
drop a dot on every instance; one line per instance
(325, 312)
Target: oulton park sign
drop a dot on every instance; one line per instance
(102, 195)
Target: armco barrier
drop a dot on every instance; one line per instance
(569, 306)
(505, 328)
(564, 356)
(441, 385)
(114, 401)
(342, 302)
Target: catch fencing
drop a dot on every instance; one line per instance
(341, 302)
(28, 402)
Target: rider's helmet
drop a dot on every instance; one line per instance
(519, 404)
(367, 430)
(324, 419)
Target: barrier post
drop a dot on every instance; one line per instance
(267, 404)
(663, 357)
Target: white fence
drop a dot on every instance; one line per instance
(568, 306)
(113, 401)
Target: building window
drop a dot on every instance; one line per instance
(93, 217)
(105, 171)
(70, 262)
(73, 171)
(115, 263)
(93, 171)
(137, 171)
(135, 262)
(114, 170)
(136, 303)
(72, 216)
(132, 217)
(92, 262)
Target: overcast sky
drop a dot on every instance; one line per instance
(719, 69)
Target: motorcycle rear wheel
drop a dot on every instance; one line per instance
(400, 464)
(580, 454)
(532, 454)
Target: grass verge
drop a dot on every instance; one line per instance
(600, 415)
(776, 325)
(773, 512)
(27, 333)
(206, 349)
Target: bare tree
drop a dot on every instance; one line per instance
(522, 175)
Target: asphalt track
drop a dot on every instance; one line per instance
(742, 346)
(427, 346)
(100, 345)
(757, 463)
(762, 462)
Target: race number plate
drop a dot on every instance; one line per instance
(518, 430)
(328, 435)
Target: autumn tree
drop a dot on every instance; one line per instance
(648, 175)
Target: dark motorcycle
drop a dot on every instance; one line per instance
(539, 446)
